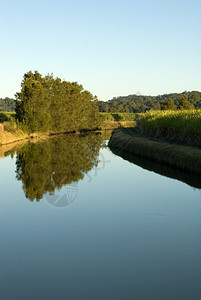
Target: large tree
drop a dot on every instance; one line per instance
(50, 104)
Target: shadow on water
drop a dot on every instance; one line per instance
(47, 165)
(165, 170)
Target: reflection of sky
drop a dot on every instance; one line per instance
(128, 232)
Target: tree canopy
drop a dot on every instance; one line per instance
(50, 104)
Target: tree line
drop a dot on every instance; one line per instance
(140, 103)
(7, 104)
(53, 89)
(48, 104)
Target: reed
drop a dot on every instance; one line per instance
(176, 126)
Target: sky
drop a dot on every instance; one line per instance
(113, 48)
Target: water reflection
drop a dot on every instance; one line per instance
(189, 178)
(49, 164)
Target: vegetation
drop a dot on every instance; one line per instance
(186, 121)
(7, 104)
(47, 104)
(7, 116)
(140, 103)
(177, 126)
(47, 165)
(118, 116)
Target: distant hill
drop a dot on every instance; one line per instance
(7, 104)
(140, 103)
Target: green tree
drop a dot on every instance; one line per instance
(168, 104)
(48, 104)
(184, 103)
(32, 105)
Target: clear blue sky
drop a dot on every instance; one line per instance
(111, 47)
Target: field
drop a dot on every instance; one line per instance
(186, 121)
(176, 126)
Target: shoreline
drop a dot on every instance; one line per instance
(7, 138)
(184, 157)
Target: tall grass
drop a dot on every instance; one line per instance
(188, 121)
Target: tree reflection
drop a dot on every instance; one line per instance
(49, 164)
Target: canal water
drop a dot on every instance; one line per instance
(80, 222)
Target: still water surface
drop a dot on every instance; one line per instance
(78, 222)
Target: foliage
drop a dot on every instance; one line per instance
(48, 104)
(184, 104)
(185, 121)
(7, 116)
(168, 104)
(141, 103)
(7, 104)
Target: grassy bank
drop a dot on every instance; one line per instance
(176, 126)
(10, 132)
(180, 156)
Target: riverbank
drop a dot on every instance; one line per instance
(184, 157)
(10, 134)
(7, 138)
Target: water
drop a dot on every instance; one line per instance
(109, 230)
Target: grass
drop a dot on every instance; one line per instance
(176, 126)
(185, 121)
(170, 126)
